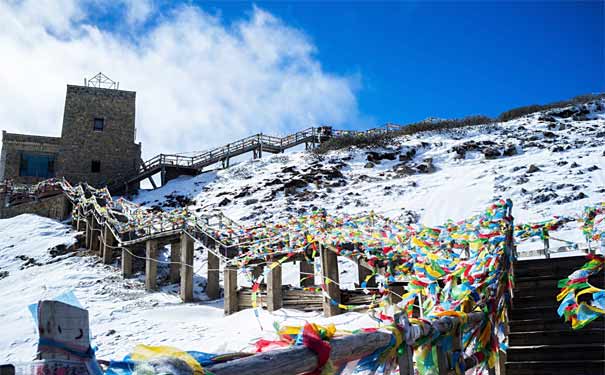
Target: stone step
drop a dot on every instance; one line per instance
(555, 324)
(556, 352)
(582, 367)
(586, 335)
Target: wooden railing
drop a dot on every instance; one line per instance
(299, 359)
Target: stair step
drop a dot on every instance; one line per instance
(537, 300)
(583, 367)
(534, 312)
(558, 337)
(535, 324)
(556, 352)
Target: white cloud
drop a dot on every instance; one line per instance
(199, 82)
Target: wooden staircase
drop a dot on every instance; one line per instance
(540, 342)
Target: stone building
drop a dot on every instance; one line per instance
(97, 143)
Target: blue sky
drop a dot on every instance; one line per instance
(207, 73)
(450, 59)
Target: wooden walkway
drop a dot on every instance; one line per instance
(171, 166)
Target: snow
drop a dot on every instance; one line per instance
(122, 314)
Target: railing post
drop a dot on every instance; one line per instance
(274, 290)
(151, 266)
(406, 357)
(545, 238)
(329, 270)
(186, 268)
(212, 286)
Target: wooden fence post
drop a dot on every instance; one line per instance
(175, 261)
(362, 273)
(329, 269)
(274, 292)
(88, 236)
(126, 263)
(151, 265)
(545, 237)
(186, 268)
(109, 242)
(230, 281)
(306, 273)
(442, 360)
(212, 286)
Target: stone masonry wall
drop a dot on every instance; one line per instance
(12, 147)
(114, 147)
(56, 207)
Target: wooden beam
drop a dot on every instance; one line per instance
(213, 289)
(109, 243)
(175, 261)
(151, 265)
(306, 273)
(329, 269)
(274, 295)
(126, 263)
(186, 268)
(230, 281)
(300, 360)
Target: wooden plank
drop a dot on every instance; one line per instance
(230, 281)
(126, 262)
(94, 235)
(274, 290)
(175, 261)
(212, 287)
(109, 243)
(151, 265)
(329, 269)
(306, 272)
(186, 268)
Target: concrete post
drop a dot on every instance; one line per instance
(186, 268)
(151, 265)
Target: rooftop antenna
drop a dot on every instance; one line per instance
(101, 81)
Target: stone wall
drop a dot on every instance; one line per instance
(56, 207)
(113, 147)
(12, 147)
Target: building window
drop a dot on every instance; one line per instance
(95, 166)
(36, 165)
(98, 124)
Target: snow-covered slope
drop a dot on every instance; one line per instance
(548, 163)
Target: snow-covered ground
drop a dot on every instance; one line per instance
(547, 163)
